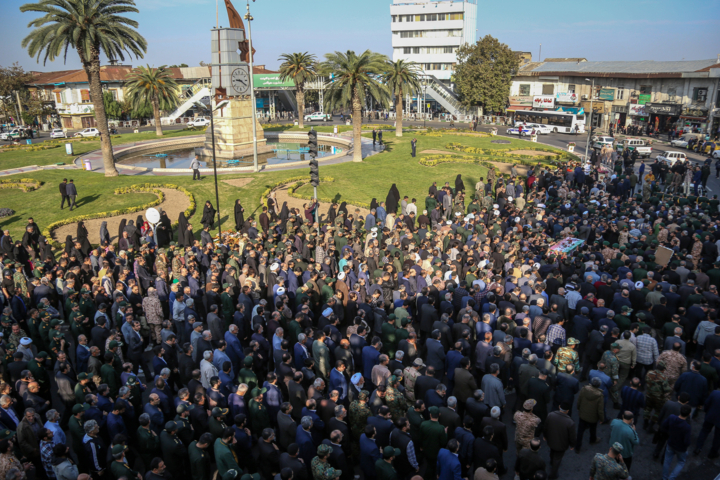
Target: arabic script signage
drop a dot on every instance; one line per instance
(544, 101)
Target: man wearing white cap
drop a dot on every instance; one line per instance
(357, 381)
(27, 348)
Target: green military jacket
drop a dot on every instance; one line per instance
(432, 437)
(110, 378)
(199, 462)
(225, 457)
(120, 469)
(148, 444)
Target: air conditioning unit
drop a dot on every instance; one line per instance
(584, 97)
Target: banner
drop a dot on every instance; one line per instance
(607, 94)
(270, 80)
(566, 97)
(544, 101)
(644, 98)
(662, 108)
(637, 110)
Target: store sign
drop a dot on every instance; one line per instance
(544, 101)
(566, 97)
(270, 80)
(644, 98)
(662, 108)
(694, 112)
(521, 100)
(637, 110)
(607, 94)
(620, 108)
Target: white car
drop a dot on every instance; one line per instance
(58, 133)
(514, 131)
(716, 154)
(88, 132)
(681, 141)
(10, 134)
(672, 157)
(199, 122)
(599, 141)
(317, 116)
(541, 129)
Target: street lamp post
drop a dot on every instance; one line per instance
(212, 134)
(249, 19)
(587, 145)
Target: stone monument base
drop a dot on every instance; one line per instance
(233, 133)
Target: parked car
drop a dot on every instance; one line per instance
(199, 122)
(58, 133)
(671, 157)
(633, 144)
(541, 129)
(88, 132)
(317, 116)
(13, 134)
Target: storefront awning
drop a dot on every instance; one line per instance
(574, 110)
(517, 108)
(694, 119)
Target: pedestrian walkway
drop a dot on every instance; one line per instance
(35, 168)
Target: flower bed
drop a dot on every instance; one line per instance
(24, 184)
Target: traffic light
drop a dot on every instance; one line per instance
(314, 167)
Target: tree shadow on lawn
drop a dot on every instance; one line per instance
(86, 200)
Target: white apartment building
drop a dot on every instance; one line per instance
(430, 32)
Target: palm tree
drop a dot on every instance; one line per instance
(152, 86)
(354, 77)
(401, 77)
(90, 27)
(300, 68)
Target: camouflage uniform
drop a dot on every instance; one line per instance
(525, 425)
(613, 371)
(675, 365)
(567, 356)
(20, 281)
(606, 468)
(657, 391)
(359, 413)
(321, 470)
(410, 374)
(396, 402)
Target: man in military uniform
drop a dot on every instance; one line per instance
(432, 438)
(259, 416)
(82, 387)
(384, 466)
(526, 423)
(394, 399)
(609, 466)
(320, 467)
(359, 413)
(610, 359)
(411, 374)
(657, 392)
(148, 441)
(119, 467)
(182, 420)
(200, 458)
(173, 450)
(77, 433)
(37, 368)
(216, 422)
(675, 363)
(225, 455)
(568, 356)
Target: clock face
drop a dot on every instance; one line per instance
(240, 80)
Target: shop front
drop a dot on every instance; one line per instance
(638, 115)
(519, 103)
(543, 102)
(663, 116)
(618, 116)
(693, 120)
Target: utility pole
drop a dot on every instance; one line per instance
(19, 106)
(249, 19)
(592, 114)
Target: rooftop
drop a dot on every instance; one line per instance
(646, 67)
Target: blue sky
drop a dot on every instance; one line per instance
(177, 31)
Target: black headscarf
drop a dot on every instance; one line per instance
(121, 228)
(284, 212)
(374, 203)
(239, 215)
(182, 227)
(68, 244)
(343, 209)
(164, 230)
(82, 238)
(392, 200)
(208, 217)
(459, 185)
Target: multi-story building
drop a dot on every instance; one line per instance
(664, 95)
(430, 32)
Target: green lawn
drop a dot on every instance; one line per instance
(353, 182)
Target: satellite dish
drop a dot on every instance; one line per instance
(152, 216)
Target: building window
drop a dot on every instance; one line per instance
(409, 18)
(548, 89)
(406, 50)
(645, 89)
(114, 94)
(454, 16)
(524, 89)
(394, 17)
(441, 16)
(620, 93)
(700, 94)
(58, 97)
(85, 96)
(672, 93)
(416, 50)
(571, 88)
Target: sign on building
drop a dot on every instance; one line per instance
(607, 94)
(567, 97)
(637, 110)
(662, 109)
(544, 101)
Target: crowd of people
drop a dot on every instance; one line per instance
(395, 345)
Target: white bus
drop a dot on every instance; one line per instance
(559, 122)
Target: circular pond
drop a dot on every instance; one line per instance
(283, 152)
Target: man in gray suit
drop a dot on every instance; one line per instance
(136, 349)
(286, 426)
(71, 193)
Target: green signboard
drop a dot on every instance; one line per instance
(644, 98)
(607, 94)
(271, 80)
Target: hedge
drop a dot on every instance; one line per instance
(139, 188)
(27, 148)
(504, 155)
(24, 184)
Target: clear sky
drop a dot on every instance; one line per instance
(177, 31)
